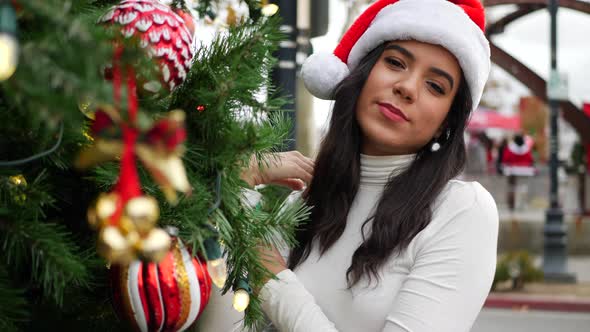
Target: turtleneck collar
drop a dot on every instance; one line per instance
(376, 170)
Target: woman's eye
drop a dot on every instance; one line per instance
(437, 88)
(394, 62)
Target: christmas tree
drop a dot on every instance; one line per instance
(98, 114)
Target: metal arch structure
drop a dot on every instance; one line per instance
(573, 115)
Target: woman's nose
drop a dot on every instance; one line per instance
(406, 89)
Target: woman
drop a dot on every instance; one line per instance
(394, 242)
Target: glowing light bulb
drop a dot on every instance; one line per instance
(241, 300)
(8, 41)
(270, 10)
(218, 271)
(8, 55)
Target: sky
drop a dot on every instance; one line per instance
(526, 39)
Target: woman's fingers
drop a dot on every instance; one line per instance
(304, 171)
(286, 165)
(308, 161)
(304, 165)
(303, 174)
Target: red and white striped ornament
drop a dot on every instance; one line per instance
(164, 296)
(163, 32)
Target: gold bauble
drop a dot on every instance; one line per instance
(87, 107)
(133, 239)
(143, 211)
(126, 225)
(17, 191)
(105, 207)
(156, 245)
(18, 180)
(113, 246)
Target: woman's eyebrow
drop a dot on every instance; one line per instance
(443, 74)
(401, 50)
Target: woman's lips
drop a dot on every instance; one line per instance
(392, 113)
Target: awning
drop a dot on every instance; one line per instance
(483, 119)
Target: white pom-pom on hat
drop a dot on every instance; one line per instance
(322, 72)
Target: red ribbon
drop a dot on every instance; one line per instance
(128, 185)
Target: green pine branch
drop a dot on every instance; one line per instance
(30, 243)
(242, 235)
(55, 264)
(13, 306)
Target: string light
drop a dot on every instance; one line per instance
(269, 9)
(8, 43)
(242, 295)
(215, 262)
(241, 300)
(218, 271)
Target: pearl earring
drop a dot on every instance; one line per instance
(435, 147)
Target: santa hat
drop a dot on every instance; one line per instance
(457, 25)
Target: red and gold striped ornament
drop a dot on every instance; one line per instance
(165, 296)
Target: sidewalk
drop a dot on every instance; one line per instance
(542, 296)
(550, 296)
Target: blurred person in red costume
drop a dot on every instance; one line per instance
(517, 161)
(517, 157)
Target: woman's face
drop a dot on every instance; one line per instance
(406, 97)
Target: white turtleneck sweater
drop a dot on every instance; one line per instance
(438, 284)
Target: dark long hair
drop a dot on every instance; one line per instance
(405, 207)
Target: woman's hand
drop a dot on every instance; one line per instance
(291, 169)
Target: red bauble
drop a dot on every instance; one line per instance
(188, 20)
(161, 30)
(164, 296)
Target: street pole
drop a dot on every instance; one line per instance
(304, 101)
(555, 246)
(284, 76)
